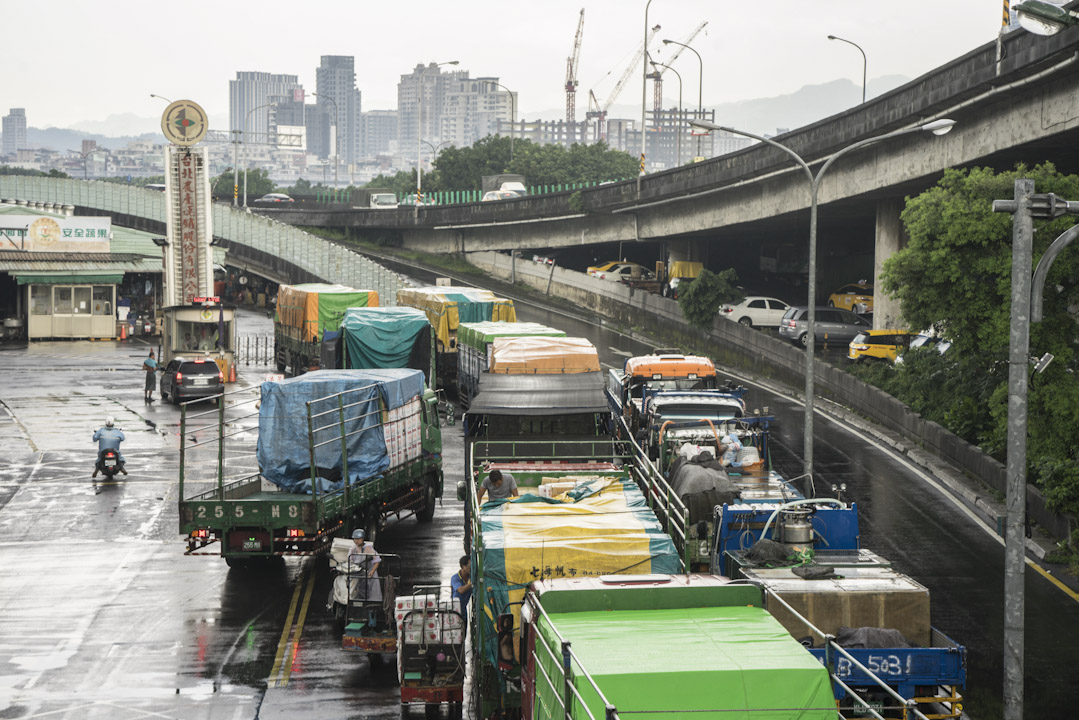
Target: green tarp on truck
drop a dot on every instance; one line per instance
(388, 337)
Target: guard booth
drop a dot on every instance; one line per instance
(206, 328)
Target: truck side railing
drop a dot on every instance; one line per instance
(189, 433)
(832, 649)
(355, 406)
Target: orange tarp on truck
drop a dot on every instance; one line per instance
(543, 356)
(313, 308)
(669, 366)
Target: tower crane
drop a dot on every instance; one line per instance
(571, 84)
(657, 75)
(598, 110)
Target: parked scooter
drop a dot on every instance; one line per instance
(109, 459)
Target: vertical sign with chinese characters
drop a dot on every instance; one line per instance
(189, 234)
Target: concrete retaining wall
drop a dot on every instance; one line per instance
(735, 346)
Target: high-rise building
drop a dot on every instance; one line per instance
(379, 132)
(251, 95)
(434, 85)
(335, 87)
(14, 130)
(472, 108)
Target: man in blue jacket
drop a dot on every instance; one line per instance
(108, 438)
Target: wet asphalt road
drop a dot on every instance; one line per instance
(102, 616)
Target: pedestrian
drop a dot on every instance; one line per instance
(150, 366)
(498, 485)
(363, 557)
(461, 587)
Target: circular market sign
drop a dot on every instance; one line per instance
(184, 123)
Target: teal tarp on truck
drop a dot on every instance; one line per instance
(382, 337)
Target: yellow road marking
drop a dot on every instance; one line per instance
(1048, 576)
(285, 632)
(299, 628)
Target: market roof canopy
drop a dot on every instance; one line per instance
(539, 394)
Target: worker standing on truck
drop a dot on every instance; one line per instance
(498, 485)
(362, 556)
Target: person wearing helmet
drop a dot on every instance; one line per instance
(362, 558)
(108, 438)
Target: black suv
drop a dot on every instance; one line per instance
(185, 379)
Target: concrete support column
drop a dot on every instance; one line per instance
(890, 237)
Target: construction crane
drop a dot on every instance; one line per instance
(599, 112)
(571, 84)
(657, 75)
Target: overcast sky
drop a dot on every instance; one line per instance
(67, 61)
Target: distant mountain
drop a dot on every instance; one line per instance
(132, 124)
(61, 139)
(765, 115)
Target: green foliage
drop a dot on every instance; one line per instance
(404, 182)
(464, 168)
(54, 173)
(258, 183)
(576, 202)
(8, 170)
(955, 275)
(701, 298)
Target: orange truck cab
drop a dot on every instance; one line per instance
(657, 372)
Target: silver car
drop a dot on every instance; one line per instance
(832, 325)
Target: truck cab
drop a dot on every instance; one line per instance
(666, 371)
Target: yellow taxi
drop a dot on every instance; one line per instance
(856, 297)
(878, 344)
(594, 269)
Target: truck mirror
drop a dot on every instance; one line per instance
(462, 490)
(506, 659)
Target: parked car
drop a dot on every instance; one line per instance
(856, 297)
(832, 325)
(928, 341)
(186, 379)
(755, 311)
(593, 269)
(499, 195)
(625, 271)
(878, 345)
(275, 198)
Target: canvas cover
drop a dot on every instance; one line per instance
(685, 269)
(543, 356)
(602, 527)
(283, 451)
(540, 394)
(478, 335)
(684, 662)
(382, 337)
(448, 306)
(313, 308)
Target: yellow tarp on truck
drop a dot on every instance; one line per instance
(543, 356)
(307, 311)
(685, 269)
(447, 307)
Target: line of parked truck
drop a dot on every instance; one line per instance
(651, 561)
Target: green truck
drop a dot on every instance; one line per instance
(337, 450)
(307, 324)
(677, 646)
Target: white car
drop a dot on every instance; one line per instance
(755, 311)
(624, 271)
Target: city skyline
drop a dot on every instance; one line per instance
(528, 51)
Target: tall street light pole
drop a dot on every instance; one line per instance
(160, 97)
(833, 37)
(246, 118)
(937, 127)
(644, 94)
(513, 112)
(419, 131)
(700, 86)
(336, 138)
(678, 124)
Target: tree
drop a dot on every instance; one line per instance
(402, 182)
(955, 275)
(700, 300)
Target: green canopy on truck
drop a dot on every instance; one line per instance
(478, 335)
(382, 337)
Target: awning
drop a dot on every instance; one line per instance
(68, 279)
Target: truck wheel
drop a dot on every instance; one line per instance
(279, 359)
(455, 711)
(371, 523)
(427, 513)
(430, 711)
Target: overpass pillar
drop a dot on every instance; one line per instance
(890, 237)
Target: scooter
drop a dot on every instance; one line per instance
(109, 463)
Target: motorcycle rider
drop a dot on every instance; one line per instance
(108, 438)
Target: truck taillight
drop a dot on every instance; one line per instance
(200, 534)
(179, 378)
(293, 533)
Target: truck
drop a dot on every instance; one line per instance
(553, 434)
(504, 181)
(670, 646)
(868, 622)
(659, 370)
(337, 450)
(447, 307)
(307, 323)
(679, 272)
(475, 344)
(373, 198)
(388, 337)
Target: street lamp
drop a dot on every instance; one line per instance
(833, 37)
(246, 118)
(513, 112)
(419, 130)
(700, 86)
(937, 127)
(87, 154)
(644, 93)
(1042, 18)
(336, 138)
(678, 125)
(159, 97)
